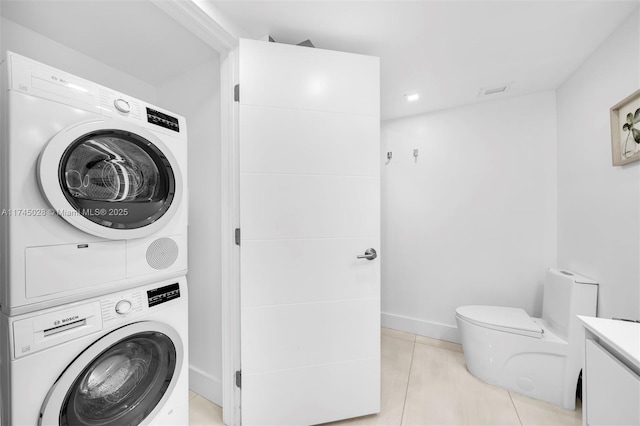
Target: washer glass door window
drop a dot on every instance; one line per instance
(117, 179)
(123, 385)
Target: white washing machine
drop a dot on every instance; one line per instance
(93, 189)
(120, 359)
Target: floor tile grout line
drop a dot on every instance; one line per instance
(437, 347)
(398, 338)
(406, 391)
(514, 407)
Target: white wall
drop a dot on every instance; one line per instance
(599, 205)
(473, 220)
(196, 95)
(24, 41)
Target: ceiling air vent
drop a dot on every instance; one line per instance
(492, 90)
(306, 43)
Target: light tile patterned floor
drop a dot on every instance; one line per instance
(203, 412)
(425, 382)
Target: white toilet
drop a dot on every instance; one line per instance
(538, 357)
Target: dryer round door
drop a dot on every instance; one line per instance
(111, 178)
(122, 379)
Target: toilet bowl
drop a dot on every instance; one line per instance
(537, 357)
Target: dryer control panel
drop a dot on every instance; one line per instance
(37, 79)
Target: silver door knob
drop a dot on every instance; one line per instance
(369, 254)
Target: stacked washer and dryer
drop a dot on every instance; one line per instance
(93, 225)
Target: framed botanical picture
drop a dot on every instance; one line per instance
(625, 130)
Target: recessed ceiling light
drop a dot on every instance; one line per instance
(412, 97)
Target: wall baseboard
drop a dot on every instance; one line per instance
(418, 326)
(203, 384)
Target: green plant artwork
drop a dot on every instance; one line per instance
(632, 119)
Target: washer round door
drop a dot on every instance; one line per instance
(123, 379)
(111, 178)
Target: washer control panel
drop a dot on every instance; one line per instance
(129, 305)
(32, 332)
(122, 105)
(43, 329)
(163, 294)
(118, 105)
(121, 307)
(163, 120)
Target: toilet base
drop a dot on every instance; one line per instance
(538, 368)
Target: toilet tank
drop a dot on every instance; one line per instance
(567, 294)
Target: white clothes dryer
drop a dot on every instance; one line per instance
(94, 189)
(119, 359)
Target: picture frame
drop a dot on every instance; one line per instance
(625, 130)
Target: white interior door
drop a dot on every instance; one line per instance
(309, 205)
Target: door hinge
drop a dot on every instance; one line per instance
(237, 236)
(236, 93)
(239, 379)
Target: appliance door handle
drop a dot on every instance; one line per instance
(369, 254)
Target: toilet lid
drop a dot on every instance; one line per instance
(510, 320)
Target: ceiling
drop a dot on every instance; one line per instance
(133, 36)
(446, 50)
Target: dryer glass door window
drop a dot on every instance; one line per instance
(117, 179)
(123, 384)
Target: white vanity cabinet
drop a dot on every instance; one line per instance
(611, 374)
